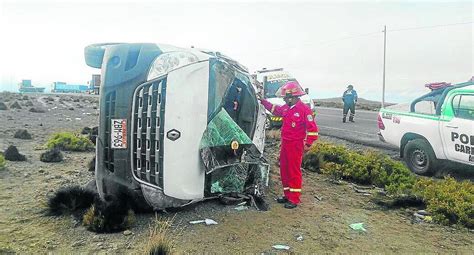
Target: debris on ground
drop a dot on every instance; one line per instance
(12, 154)
(281, 247)
(207, 221)
(419, 216)
(362, 190)
(423, 212)
(52, 155)
(299, 238)
(358, 227)
(319, 198)
(15, 105)
(22, 134)
(37, 110)
(241, 208)
(127, 232)
(3, 106)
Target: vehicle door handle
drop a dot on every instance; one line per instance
(451, 126)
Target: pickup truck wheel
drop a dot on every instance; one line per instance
(419, 157)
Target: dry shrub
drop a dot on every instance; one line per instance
(69, 199)
(109, 215)
(159, 242)
(89, 218)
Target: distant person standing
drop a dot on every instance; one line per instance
(350, 99)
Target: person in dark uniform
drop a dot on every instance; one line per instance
(233, 99)
(350, 99)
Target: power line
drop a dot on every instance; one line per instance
(329, 41)
(368, 34)
(428, 27)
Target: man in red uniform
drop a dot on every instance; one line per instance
(298, 132)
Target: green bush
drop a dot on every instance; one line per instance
(369, 167)
(70, 142)
(448, 200)
(2, 162)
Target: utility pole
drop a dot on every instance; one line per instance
(384, 55)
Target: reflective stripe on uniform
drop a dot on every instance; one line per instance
(313, 133)
(295, 190)
(286, 188)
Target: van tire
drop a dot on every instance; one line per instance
(420, 157)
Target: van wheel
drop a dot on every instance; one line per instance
(419, 157)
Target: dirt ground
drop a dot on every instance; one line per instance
(322, 224)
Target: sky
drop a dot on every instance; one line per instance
(326, 45)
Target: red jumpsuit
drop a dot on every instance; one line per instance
(299, 128)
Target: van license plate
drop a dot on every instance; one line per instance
(119, 134)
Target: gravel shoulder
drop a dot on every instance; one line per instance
(323, 224)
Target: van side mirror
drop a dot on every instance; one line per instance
(306, 90)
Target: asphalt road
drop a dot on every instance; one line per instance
(363, 130)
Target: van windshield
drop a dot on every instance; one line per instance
(231, 90)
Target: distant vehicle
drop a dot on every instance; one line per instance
(26, 87)
(164, 136)
(438, 127)
(271, 80)
(62, 87)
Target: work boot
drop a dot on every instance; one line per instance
(282, 200)
(351, 119)
(343, 120)
(290, 205)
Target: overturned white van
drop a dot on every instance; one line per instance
(164, 135)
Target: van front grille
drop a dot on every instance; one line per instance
(148, 132)
(109, 114)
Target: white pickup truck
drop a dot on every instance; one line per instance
(438, 127)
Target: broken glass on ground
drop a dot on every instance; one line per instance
(281, 247)
(358, 227)
(206, 221)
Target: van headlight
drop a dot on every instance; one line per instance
(170, 61)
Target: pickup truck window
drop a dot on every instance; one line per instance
(463, 106)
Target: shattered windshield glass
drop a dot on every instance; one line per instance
(221, 76)
(226, 147)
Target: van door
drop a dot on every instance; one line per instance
(458, 132)
(185, 122)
